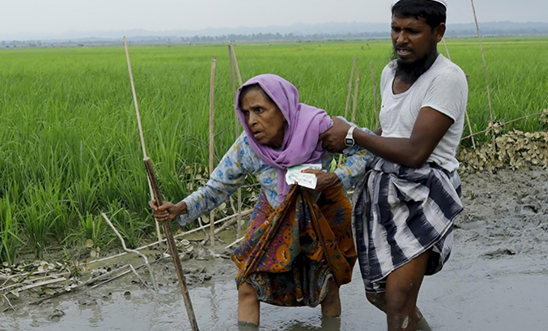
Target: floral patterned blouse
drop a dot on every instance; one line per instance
(241, 160)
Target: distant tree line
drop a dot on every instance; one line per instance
(256, 37)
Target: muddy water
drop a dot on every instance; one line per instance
(505, 293)
(496, 279)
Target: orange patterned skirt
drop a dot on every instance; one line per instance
(290, 253)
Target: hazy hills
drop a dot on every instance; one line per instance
(354, 30)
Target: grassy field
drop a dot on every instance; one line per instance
(69, 143)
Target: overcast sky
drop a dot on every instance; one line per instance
(60, 16)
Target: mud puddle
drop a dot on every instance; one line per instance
(496, 279)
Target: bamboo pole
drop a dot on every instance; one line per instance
(485, 72)
(350, 81)
(159, 201)
(355, 102)
(446, 49)
(236, 65)
(466, 111)
(375, 96)
(86, 283)
(347, 104)
(233, 68)
(211, 141)
(470, 125)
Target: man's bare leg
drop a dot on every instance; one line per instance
(402, 288)
(402, 291)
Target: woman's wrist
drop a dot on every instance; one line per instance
(180, 207)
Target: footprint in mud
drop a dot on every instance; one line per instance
(56, 315)
(87, 302)
(530, 209)
(498, 252)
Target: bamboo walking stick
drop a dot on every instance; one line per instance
(153, 182)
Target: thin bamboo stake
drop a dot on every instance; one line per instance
(220, 229)
(137, 275)
(233, 64)
(470, 125)
(503, 124)
(235, 242)
(46, 282)
(236, 66)
(201, 225)
(32, 281)
(355, 102)
(466, 110)
(159, 201)
(132, 251)
(347, 104)
(446, 49)
(212, 140)
(158, 232)
(116, 277)
(88, 282)
(8, 301)
(350, 81)
(484, 70)
(223, 220)
(375, 96)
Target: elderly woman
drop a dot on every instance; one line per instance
(298, 249)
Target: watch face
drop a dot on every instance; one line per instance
(349, 142)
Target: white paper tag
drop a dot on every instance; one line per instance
(294, 175)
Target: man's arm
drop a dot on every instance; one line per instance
(429, 129)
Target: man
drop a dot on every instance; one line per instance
(404, 208)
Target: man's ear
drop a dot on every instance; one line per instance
(440, 32)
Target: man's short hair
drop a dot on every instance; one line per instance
(433, 11)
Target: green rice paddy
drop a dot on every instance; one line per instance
(69, 141)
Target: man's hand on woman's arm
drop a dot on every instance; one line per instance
(430, 127)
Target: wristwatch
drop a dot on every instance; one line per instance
(349, 139)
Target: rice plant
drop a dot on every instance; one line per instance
(9, 241)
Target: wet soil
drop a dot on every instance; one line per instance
(495, 279)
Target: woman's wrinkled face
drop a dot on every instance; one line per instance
(263, 118)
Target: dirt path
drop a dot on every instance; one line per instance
(496, 279)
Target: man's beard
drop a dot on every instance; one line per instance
(410, 72)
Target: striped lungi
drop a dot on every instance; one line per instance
(399, 213)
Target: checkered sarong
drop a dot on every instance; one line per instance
(401, 212)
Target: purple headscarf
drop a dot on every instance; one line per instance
(304, 125)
